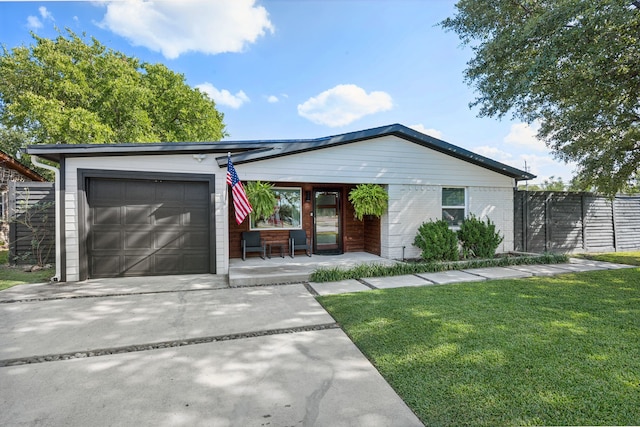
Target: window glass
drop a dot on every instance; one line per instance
(453, 206)
(287, 212)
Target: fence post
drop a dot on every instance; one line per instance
(584, 222)
(615, 228)
(547, 222)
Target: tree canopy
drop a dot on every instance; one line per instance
(68, 91)
(572, 65)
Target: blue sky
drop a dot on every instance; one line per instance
(288, 69)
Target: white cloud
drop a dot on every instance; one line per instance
(541, 166)
(494, 154)
(45, 13)
(343, 104)
(34, 23)
(523, 135)
(272, 99)
(224, 97)
(431, 132)
(174, 27)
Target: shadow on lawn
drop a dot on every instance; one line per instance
(559, 350)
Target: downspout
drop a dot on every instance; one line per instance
(56, 172)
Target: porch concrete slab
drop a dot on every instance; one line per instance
(539, 270)
(257, 271)
(490, 273)
(453, 276)
(397, 281)
(59, 326)
(339, 287)
(117, 286)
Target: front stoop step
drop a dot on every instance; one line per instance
(255, 278)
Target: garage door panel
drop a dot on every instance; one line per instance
(192, 263)
(137, 240)
(168, 215)
(166, 239)
(137, 215)
(137, 265)
(170, 192)
(107, 215)
(105, 265)
(195, 216)
(165, 264)
(106, 239)
(148, 227)
(198, 193)
(107, 190)
(196, 241)
(140, 193)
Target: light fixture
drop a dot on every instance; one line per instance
(199, 157)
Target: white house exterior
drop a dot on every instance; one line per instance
(106, 189)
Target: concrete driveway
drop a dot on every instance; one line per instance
(183, 351)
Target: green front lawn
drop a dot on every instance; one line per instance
(563, 350)
(631, 258)
(11, 276)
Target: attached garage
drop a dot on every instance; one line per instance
(147, 224)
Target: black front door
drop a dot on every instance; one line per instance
(327, 232)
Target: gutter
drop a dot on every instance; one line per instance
(36, 161)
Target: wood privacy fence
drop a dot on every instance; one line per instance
(575, 222)
(31, 218)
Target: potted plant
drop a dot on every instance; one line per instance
(262, 199)
(369, 199)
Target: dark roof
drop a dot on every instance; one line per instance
(253, 151)
(11, 163)
(288, 147)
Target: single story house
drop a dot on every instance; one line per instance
(165, 208)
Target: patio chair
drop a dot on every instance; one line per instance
(252, 242)
(298, 240)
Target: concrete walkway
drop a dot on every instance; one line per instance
(458, 276)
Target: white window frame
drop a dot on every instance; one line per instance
(465, 206)
(298, 226)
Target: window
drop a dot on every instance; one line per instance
(287, 213)
(453, 206)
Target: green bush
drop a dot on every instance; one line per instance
(437, 241)
(478, 239)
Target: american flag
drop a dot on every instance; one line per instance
(240, 201)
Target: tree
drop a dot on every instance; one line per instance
(574, 65)
(69, 91)
(550, 184)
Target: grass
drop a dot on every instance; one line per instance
(631, 258)
(563, 350)
(12, 276)
(379, 270)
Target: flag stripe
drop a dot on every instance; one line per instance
(240, 201)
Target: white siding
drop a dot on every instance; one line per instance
(387, 160)
(151, 163)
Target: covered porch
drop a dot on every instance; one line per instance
(258, 271)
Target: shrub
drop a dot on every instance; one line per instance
(437, 241)
(369, 199)
(478, 238)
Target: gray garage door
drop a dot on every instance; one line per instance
(147, 227)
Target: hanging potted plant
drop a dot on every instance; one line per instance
(262, 199)
(369, 199)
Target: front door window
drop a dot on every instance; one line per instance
(327, 222)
